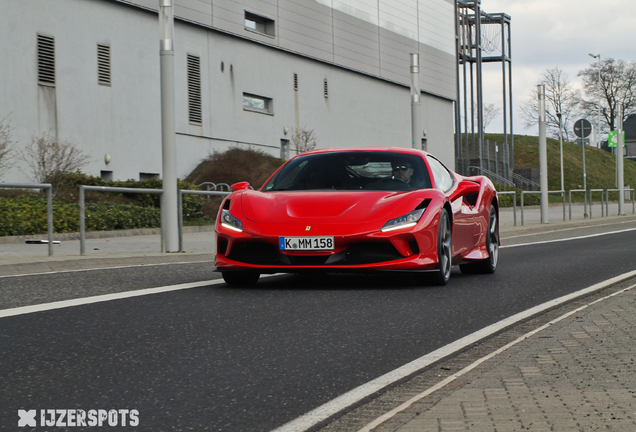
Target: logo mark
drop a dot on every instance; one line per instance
(308, 228)
(27, 418)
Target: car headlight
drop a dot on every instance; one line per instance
(230, 222)
(406, 221)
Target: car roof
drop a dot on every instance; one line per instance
(403, 150)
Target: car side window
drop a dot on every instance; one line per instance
(443, 178)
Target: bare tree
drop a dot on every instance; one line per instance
(607, 85)
(47, 157)
(489, 114)
(304, 139)
(6, 145)
(560, 98)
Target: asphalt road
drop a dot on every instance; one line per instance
(223, 359)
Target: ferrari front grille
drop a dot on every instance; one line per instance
(254, 253)
(369, 253)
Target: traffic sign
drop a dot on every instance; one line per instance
(611, 139)
(582, 128)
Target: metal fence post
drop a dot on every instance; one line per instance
(49, 217)
(82, 215)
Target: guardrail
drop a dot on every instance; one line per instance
(49, 204)
(514, 203)
(631, 194)
(492, 176)
(522, 180)
(180, 205)
(591, 203)
(538, 192)
(82, 208)
(570, 201)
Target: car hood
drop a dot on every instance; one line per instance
(325, 207)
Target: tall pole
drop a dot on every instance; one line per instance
(584, 172)
(169, 211)
(543, 155)
(416, 104)
(559, 115)
(619, 161)
(597, 134)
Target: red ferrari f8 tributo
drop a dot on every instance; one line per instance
(359, 210)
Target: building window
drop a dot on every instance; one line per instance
(194, 90)
(147, 176)
(259, 24)
(46, 60)
(106, 175)
(103, 65)
(256, 103)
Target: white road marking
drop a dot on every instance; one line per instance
(103, 298)
(556, 229)
(106, 268)
(568, 239)
(473, 365)
(336, 405)
(107, 297)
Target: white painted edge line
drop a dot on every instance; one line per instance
(569, 238)
(103, 298)
(332, 407)
(104, 268)
(473, 365)
(556, 229)
(108, 297)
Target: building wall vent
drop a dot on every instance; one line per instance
(46, 60)
(194, 90)
(295, 82)
(103, 65)
(325, 88)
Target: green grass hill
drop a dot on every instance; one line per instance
(600, 165)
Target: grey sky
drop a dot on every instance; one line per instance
(549, 33)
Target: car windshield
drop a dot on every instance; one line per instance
(355, 170)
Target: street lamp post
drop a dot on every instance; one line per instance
(169, 214)
(561, 147)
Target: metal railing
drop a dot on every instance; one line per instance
(538, 192)
(218, 187)
(180, 205)
(514, 203)
(82, 209)
(570, 201)
(591, 203)
(49, 205)
(522, 180)
(631, 194)
(496, 178)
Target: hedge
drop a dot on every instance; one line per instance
(26, 215)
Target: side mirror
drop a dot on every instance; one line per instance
(240, 186)
(464, 188)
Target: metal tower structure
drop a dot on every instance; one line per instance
(480, 38)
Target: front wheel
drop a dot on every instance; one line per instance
(241, 278)
(488, 265)
(444, 254)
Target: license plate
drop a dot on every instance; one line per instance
(306, 243)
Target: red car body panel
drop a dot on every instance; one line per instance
(354, 219)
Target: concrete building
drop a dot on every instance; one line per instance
(247, 73)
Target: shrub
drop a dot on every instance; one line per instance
(235, 165)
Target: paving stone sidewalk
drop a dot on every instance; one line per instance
(577, 375)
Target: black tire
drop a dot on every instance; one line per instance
(488, 265)
(444, 254)
(241, 278)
